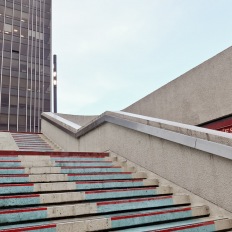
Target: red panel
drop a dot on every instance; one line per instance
(224, 125)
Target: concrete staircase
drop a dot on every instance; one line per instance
(31, 142)
(76, 192)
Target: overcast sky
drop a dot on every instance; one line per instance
(111, 53)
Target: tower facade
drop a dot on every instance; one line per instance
(25, 63)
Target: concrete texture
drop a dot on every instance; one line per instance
(200, 95)
(7, 142)
(78, 119)
(206, 175)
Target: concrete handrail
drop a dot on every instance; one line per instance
(213, 142)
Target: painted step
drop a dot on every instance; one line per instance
(61, 211)
(44, 158)
(32, 156)
(64, 170)
(6, 189)
(118, 220)
(37, 199)
(55, 154)
(49, 163)
(25, 178)
(195, 225)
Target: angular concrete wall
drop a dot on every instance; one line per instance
(7, 142)
(198, 96)
(203, 173)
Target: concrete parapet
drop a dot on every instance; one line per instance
(191, 157)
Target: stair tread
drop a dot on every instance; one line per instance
(118, 217)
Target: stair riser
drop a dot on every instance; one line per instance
(114, 222)
(68, 186)
(189, 228)
(53, 164)
(82, 209)
(64, 177)
(37, 199)
(58, 170)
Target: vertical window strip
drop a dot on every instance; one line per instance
(12, 35)
(28, 49)
(39, 97)
(32, 49)
(35, 60)
(43, 91)
(2, 57)
(19, 72)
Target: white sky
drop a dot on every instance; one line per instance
(111, 53)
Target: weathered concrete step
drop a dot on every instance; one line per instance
(54, 154)
(49, 163)
(6, 189)
(51, 158)
(64, 170)
(117, 220)
(25, 178)
(61, 211)
(194, 225)
(37, 199)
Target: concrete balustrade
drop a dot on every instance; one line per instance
(196, 159)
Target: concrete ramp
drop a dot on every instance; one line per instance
(80, 191)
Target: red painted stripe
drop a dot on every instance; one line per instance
(19, 175)
(81, 167)
(150, 214)
(30, 228)
(133, 200)
(184, 227)
(22, 210)
(15, 185)
(55, 153)
(108, 181)
(100, 174)
(120, 190)
(20, 196)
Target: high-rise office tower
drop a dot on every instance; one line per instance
(25, 63)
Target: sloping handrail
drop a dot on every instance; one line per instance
(128, 120)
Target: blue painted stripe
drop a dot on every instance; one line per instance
(12, 171)
(18, 189)
(109, 185)
(26, 225)
(4, 180)
(109, 195)
(134, 205)
(150, 219)
(83, 164)
(23, 216)
(209, 228)
(10, 164)
(37, 230)
(76, 159)
(9, 158)
(89, 170)
(101, 177)
(19, 201)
